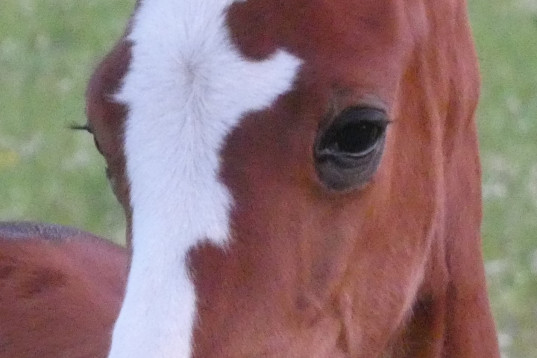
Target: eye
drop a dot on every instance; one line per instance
(348, 152)
(354, 133)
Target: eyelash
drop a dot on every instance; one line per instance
(81, 127)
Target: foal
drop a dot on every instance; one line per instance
(301, 179)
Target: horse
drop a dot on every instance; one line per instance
(300, 179)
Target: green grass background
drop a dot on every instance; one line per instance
(48, 49)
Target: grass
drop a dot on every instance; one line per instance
(505, 33)
(48, 49)
(47, 52)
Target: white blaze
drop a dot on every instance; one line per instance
(187, 87)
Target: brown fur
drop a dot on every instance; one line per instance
(60, 291)
(392, 270)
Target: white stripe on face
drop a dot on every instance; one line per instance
(187, 87)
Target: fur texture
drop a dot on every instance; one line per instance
(186, 88)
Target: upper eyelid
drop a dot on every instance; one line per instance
(386, 120)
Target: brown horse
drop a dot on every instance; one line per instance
(301, 179)
(60, 291)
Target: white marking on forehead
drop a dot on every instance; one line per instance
(186, 89)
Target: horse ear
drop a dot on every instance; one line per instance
(106, 117)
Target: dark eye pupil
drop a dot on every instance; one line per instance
(347, 152)
(355, 138)
(352, 136)
(354, 133)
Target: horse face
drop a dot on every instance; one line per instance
(284, 166)
(334, 194)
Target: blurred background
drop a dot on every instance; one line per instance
(49, 173)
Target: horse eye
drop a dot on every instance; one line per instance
(348, 152)
(354, 133)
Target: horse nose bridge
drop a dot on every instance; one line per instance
(247, 311)
(279, 270)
